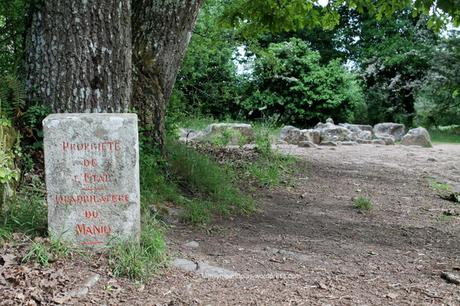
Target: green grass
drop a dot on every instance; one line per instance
(45, 251)
(193, 181)
(438, 186)
(26, 213)
(363, 203)
(205, 179)
(270, 168)
(39, 252)
(446, 134)
(138, 261)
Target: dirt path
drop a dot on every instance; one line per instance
(307, 245)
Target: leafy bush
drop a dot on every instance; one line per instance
(290, 80)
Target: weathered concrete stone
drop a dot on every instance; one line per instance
(365, 135)
(293, 135)
(92, 177)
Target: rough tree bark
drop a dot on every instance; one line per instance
(161, 33)
(79, 55)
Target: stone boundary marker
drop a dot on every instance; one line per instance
(92, 177)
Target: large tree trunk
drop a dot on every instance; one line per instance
(161, 33)
(79, 55)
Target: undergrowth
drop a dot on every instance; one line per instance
(446, 134)
(138, 261)
(192, 180)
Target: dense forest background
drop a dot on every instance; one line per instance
(363, 71)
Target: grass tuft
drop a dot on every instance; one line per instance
(138, 261)
(45, 251)
(26, 213)
(438, 186)
(363, 203)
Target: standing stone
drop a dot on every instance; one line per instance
(92, 177)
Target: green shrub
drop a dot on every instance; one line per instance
(290, 81)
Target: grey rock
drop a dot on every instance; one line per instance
(209, 271)
(388, 139)
(329, 120)
(417, 137)
(189, 135)
(238, 133)
(92, 177)
(192, 244)
(307, 144)
(364, 141)
(185, 264)
(329, 144)
(320, 125)
(451, 277)
(82, 291)
(349, 143)
(203, 268)
(331, 132)
(395, 130)
(314, 135)
(293, 135)
(357, 127)
(365, 135)
(378, 141)
(336, 133)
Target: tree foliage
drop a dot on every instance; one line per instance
(290, 82)
(207, 82)
(438, 101)
(394, 55)
(288, 15)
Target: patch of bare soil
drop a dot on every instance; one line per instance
(307, 244)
